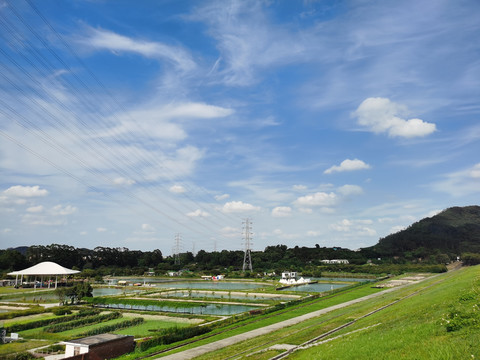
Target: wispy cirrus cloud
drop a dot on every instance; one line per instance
(102, 39)
(460, 183)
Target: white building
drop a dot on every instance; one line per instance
(335, 261)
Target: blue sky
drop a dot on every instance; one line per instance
(334, 123)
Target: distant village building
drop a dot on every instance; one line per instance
(99, 347)
(335, 261)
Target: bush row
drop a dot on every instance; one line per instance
(45, 322)
(30, 311)
(81, 322)
(108, 328)
(171, 335)
(19, 356)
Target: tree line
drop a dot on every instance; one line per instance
(123, 261)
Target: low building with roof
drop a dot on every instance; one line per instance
(98, 347)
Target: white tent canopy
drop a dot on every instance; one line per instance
(46, 268)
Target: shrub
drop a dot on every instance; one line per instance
(46, 322)
(61, 310)
(81, 322)
(171, 335)
(30, 311)
(113, 327)
(19, 356)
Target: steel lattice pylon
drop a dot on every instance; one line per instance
(247, 259)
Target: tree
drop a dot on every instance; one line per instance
(74, 293)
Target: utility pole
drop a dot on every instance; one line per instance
(247, 237)
(176, 249)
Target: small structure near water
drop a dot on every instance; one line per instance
(290, 278)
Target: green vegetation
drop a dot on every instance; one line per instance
(171, 335)
(148, 328)
(30, 311)
(16, 327)
(415, 328)
(444, 236)
(113, 327)
(412, 328)
(64, 326)
(429, 244)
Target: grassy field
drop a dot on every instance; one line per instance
(413, 328)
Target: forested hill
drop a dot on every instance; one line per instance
(453, 231)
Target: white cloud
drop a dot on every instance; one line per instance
(198, 213)
(148, 228)
(282, 235)
(177, 189)
(25, 191)
(460, 183)
(35, 209)
(36, 219)
(282, 211)
(222, 197)
(348, 190)
(194, 110)
(299, 187)
(108, 40)
(305, 210)
(343, 225)
(396, 229)
(380, 115)
(317, 199)
(231, 232)
(123, 181)
(366, 231)
(101, 229)
(354, 227)
(239, 206)
(63, 210)
(312, 233)
(348, 165)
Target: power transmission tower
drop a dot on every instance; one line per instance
(176, 249)
(247, 237)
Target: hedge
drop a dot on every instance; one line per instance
(30, 311)
(81, 322)
(112, 327)
(171, 335)
(45, 322)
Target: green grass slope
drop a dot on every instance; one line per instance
(440, 322)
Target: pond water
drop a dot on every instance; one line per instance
(211, 285)
(191, 284)
(113, 291)
(223, 295)
(317, 287)
(210, 309)
(340, 279)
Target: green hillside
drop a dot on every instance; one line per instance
(452, 232)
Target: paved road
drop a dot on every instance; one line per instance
(203, 349)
